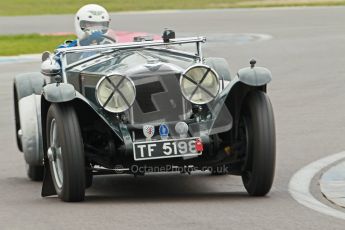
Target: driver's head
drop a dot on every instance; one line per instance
(89, 19)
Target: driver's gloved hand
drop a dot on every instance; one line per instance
(93, 39)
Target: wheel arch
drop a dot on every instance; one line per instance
(84, 107)
(247, 80)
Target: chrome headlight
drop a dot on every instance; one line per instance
(115, 93)
(199, 84)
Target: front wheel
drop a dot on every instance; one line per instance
(65, 152)
(257, 131)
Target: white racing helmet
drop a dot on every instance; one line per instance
(91, 18)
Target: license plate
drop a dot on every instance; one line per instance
(159, 149)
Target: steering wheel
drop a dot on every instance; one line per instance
(107, 40)
(97, 39)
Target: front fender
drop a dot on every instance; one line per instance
(57, 93)
(256, 76)
(246, 80)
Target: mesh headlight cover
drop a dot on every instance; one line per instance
(199, 84)
(115, 93)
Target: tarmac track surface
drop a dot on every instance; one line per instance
(306, 56)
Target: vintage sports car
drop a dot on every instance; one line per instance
(133, 107)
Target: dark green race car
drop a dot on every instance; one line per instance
(142, 107)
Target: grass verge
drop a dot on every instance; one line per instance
(29, 44)
(38, 7)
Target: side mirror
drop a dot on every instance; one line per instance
(50, 67)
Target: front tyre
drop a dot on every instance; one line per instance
(65, 152)
(257, 131)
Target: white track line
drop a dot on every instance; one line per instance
(300, 183)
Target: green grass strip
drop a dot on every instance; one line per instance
(29, 44)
